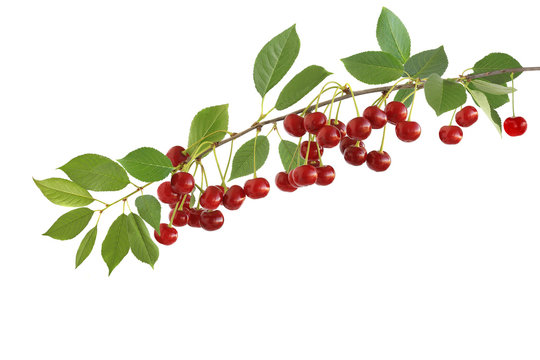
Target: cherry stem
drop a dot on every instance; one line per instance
(307, 150)
(353, 99)
(452, 118)
(230, 157)
(296, 154)
(255, 154)
(412, 103)
(382, 141)
(513, 91)
(219, 168)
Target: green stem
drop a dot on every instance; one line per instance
(412, 103)
(353, 99)
(255, 154)
(230, 157)
(452, 118)
(513, 91)
(126, 197)
(382, 141)
(219, 168)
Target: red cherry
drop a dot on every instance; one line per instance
(346, 142)
(166, 194)
(182, 183)
(408, 131)
(181, 218)
(355, 155)
(291, 179)
(515, 126)
(234, 197)
(467, 116)
(177, 156)
(450, 134)
(359, 128)
(378, 160)
(329, 136)
(305, 175)
(313, 122)
(395, 112)
(195, 218)
(340, 126)
(376, 117)
(313, 153)
(212, 220)
(282, 182)
(211, 198)
(294, 125)
(186, 202)
(257, 188)
(167, 235)
(315, 163)
(325, 175)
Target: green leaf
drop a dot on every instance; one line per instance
(140, 241)
(495, 101)
(210, 124)
(243, 159)
(402, 94)
(70, 224)
(96, 172)
(192, 200)
(492, 88)
(392, 35)
(426, 63)
(150, 210)
(64, 192)
(87, 244)
(481, 100)
(147, 164)
(300, 86)
(289, 154)
(374, 67)
(444, 95)
(116, 244)
(497, 61)
(275, 59)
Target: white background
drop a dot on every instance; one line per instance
(438, 258)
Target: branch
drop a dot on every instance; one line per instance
(358, 93)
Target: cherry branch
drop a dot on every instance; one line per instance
(382, 89)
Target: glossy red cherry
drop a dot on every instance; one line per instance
(211, 198)
(194, 219)
(515, 126)
(325, 175)
(329, 136)
(305, 175)
(182, 183)
(181, 218)
(166, 194)
(212, 220)
(282, 182)
(395, 112)
(234, 197)
(313, 122)
(177, 156)
(340, 126)
(355, 155)
(359, 128)
(291, 179)
(467, 116)
(313, 153)
(167, 235)
(186, 202)
(450, 134)
(257, 188)
(294, 125)
(408, 131)
(346, 142)
(376, 117)
(378, 161)
(315, 163)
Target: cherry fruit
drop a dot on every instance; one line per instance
(283, 183)
(294, 125)
(355, 155)
(313, 152)
(467, 116)
(313, 122)
(325, 175)
(515, 126)
(212, 220)
(234, 197)
(395, 112)
(180, 218)
(328, 136)
(211, 198)
(166, 194)
(305, 175)
(177, 155)
(340, 126)
(194, 219)
(378, 160)
(347, 142)
(450, 134)
(376, 117)
(257, 188)
(167, 235)
(359, 128)
(408, 131)
(182, 183)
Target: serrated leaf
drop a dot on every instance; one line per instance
(497, 61)
(392, 35)
(86, 246)
(495, 101)
(404, 94)
(275, 59)
(426, 63)
(140, 242)
(147, 164)
(64, 192)
(288, 152)
(243, 159)
(116, 244)
(481, 100)
(149, 209)
(492, 88)
(96, 172)
(444, 95)
(210, 124)
(301, 85)
(374, 67)
(70, 224)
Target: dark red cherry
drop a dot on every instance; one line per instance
(408, 131)
(211, 198)
(186, 202)
(177, 156)
(313, 153)
(257, 188)
(467, 116)
(395, 112)
(181, 218)
(355, 155)
(194, 219)
(376, 117)
(212, 220)
(291, 179)
(234, 197)
(282, 182)
(329, 136)
(378, 160)
(166, 194)
(315, 163)
(346, 142)
(182, 183)
(167, 235)
(305, 175)
(325, 175)
(359, 128)
(294, 125)
(515, 126)
(340, 126)
(450, 134)
(313, 122)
